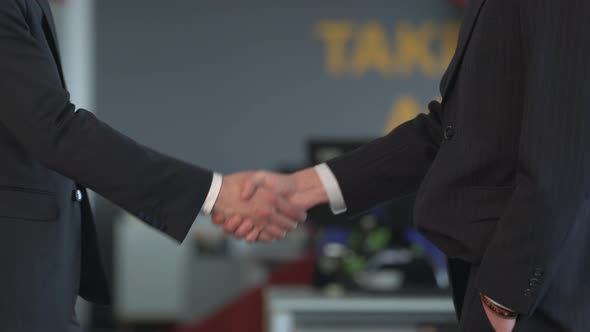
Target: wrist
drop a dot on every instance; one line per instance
(308, 182)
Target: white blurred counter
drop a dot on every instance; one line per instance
(308, 310)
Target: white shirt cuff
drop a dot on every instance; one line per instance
(328, 180)
(214, 190)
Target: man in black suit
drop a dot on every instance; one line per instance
(500, 170)
(50, 151)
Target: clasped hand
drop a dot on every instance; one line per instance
(263, 206)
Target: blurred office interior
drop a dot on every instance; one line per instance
(263, 84)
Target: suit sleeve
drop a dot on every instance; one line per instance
(164, 192)
(551, 198)
(390, 167)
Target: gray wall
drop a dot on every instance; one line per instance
(234, 85)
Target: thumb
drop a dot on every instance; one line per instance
(251, 184)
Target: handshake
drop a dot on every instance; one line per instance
(263, 206)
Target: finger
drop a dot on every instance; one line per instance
(251, 185)
(291, 210)
(248, 190)
(275, 231)
(244, 229)
(218, 219)
(232, 224)
(282, 222)
(265, 237)
(253, 235)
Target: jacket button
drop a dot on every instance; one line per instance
(77, 196)
(449, 133)
(534, 282)
(538, 273)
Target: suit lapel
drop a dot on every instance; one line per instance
(44, 4)
(471, 15)
(51, 35)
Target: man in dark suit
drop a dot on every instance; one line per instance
(50, 152)
(500, 170)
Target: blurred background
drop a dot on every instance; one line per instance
(275, 84)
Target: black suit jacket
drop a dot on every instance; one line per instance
(501, 170)
(48, 150)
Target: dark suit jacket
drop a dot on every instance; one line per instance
(48, 149)
(501, 170)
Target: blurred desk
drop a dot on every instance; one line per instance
(306, 310)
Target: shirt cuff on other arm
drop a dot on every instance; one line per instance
(214, 190)
(330, 183)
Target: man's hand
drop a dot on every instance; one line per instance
(498, 323)
(263, 209)
(302, 190)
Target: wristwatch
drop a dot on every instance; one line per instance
(496, 308)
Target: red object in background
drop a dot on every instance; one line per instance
(246, 314)
(460, 3)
